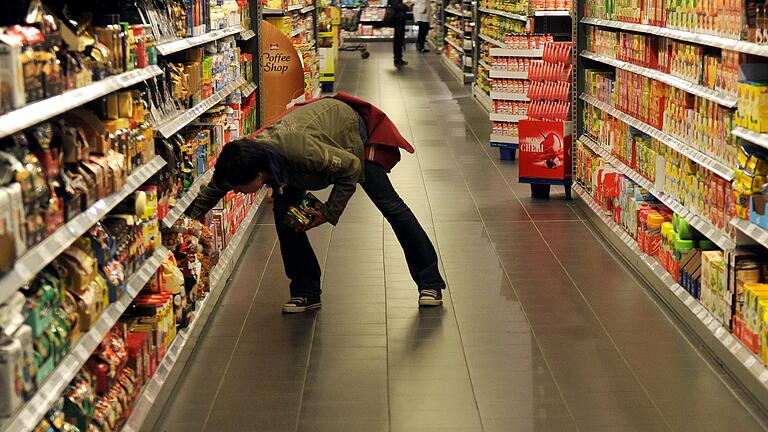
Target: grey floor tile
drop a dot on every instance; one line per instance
(529, 425)
(180, 427)
(310, 424)
(416, 418)
(236, 420)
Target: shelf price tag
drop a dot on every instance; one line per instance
(24, 273)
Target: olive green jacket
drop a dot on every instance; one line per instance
(322, 145)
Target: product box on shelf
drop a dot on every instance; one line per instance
(545, 149)
(758, 210)
(744, 267)
(690, 273)
(750, 177)
(753, 105)
(755, 320)
(714, 288)
(12, 95)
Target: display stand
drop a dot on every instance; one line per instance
(299, 22)
(498, 64)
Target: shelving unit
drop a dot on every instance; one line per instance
(160, 386)
(272, 11)
(175, 46)
(247, 34)
(504, 14)
(456, 29)
(759, 139)
(248, 89)
(758, 234)
(436, 21)
(721, 98)
(507, 74)
(552, 13)
(456, 70)
(744, 365)
(720, 238)
(738, 360)
(499, 140)
(453, 44)
(175, 124)
(460, 55)
(30, 414)
(37, 257)
(184, 202)
(304, 36)
(45, 109)
(508, 145)
(521, 97)
(697, 156)
(507, 117)
(70, 360)
(686, 36)
(491, 40)
(482, 97)
(504, 52)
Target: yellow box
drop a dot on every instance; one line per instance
(764, 337)
(753, 295)
(758, 106)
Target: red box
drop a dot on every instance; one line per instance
(750, 340)
(738, 328)
(545, 149)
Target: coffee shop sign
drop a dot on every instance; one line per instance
(277, 62)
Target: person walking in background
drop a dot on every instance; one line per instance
(421, 14)
(399, 17)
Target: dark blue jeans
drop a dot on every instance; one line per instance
(299, 259)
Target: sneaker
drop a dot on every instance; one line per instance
(401, 63)
(301, 304)
(430, 297)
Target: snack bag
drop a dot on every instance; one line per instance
(297, 216)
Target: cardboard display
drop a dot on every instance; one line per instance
(545, 149)
(282, 72)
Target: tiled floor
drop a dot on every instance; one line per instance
(542, 328)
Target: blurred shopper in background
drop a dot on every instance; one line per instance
(421, 13)
(399, 17)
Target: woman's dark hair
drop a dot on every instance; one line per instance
(240, 162)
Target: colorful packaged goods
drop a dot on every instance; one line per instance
(721, 18)
(497, 27)
(750, 178)
(753, 106)
(511, 6)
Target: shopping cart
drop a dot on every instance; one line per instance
(350, 21)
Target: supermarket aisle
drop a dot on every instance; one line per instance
(542, 329)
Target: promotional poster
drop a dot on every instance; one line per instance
(545, 149)
(282, 72)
